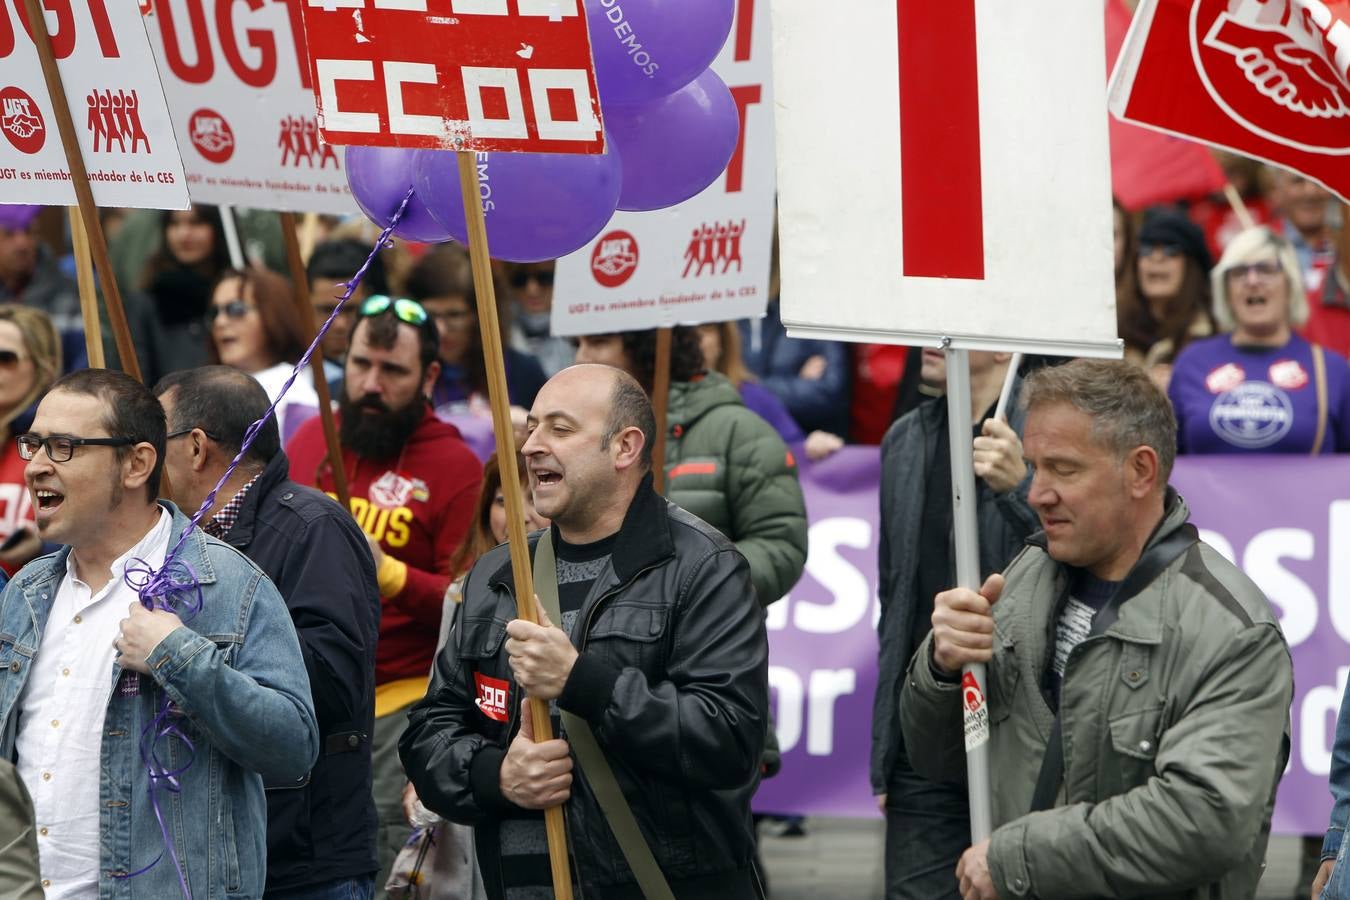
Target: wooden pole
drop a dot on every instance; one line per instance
(1234, 199)
(506, 463)
(309, 235)
(307, 328)
(660, 404)
(79, 177)
(84, 271)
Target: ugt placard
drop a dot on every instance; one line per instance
(707, 259)
(237, 79)
(115, 100)
(483, 75)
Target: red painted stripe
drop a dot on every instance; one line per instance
(943, 212)
(693, 469)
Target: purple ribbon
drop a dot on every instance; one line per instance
(176, 588)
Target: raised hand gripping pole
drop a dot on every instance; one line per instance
(506, 461)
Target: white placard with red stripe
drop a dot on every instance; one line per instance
(120, 117)
(707, 259)
(238, 82)
(943, 171)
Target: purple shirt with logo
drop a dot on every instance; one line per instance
(1243, 399)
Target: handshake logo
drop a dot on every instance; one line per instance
(21, 121)
(1280, 67)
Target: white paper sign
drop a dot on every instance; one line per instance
(238, 83)
(116, 101)
(943, 171)
(707, 259)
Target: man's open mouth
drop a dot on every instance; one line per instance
(546, 476)
(48, 499)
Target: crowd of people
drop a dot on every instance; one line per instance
(317, 703)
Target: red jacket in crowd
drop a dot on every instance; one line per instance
(418, 506)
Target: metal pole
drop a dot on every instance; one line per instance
(974, 687)
(231, 229)
(1001, 411)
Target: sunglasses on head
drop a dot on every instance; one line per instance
(520, 278)
(409, 311)
(234, 309)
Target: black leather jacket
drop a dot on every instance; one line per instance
(673, 679)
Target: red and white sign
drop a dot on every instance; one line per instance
(120, 117)
(707, 259)
(455, 74)
(1265, 78)
(491, 699)
(950, 179)
(238, 81)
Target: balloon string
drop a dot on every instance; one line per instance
(176, 588)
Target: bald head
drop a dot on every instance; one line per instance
(591, 430)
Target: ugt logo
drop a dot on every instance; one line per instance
(21, 121)
(1279, 67)
(614, 259)
(211, 135)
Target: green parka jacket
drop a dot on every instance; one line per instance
(729, 467)
(1175, 730)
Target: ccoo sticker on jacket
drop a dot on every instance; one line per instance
(491, 700)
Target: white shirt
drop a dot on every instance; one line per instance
(61, 718)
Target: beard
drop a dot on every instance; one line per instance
(373, 430)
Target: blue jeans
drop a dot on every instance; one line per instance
(362, 888)
(927, 830)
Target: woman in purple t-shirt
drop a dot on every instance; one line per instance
(1261, 388)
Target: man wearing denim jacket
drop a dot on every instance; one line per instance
(95, 689)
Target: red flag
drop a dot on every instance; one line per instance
(1147, 167)
(1265, 78)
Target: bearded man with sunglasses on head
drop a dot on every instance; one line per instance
(414, 484)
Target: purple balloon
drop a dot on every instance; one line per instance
(380, 178)
(538, 206)
(675, 147)
(644, 49)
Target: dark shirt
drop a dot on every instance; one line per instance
(1087, 595)
(524, 843)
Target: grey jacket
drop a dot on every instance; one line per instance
(1175, 733)
(1005, 522)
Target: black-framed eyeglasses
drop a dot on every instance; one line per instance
(521, 277)
(10, 358)
(234, 309)
(182, 431)
(406, 310)
(1171, 251)
(60, 447)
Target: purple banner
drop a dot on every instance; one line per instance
(1285, 520)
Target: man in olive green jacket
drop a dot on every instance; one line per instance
(1173, 693)
(723, 463)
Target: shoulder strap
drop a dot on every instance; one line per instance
(1320, 379)
(591, 758)
(1145, 571)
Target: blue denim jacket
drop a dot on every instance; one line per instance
(236, 674)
